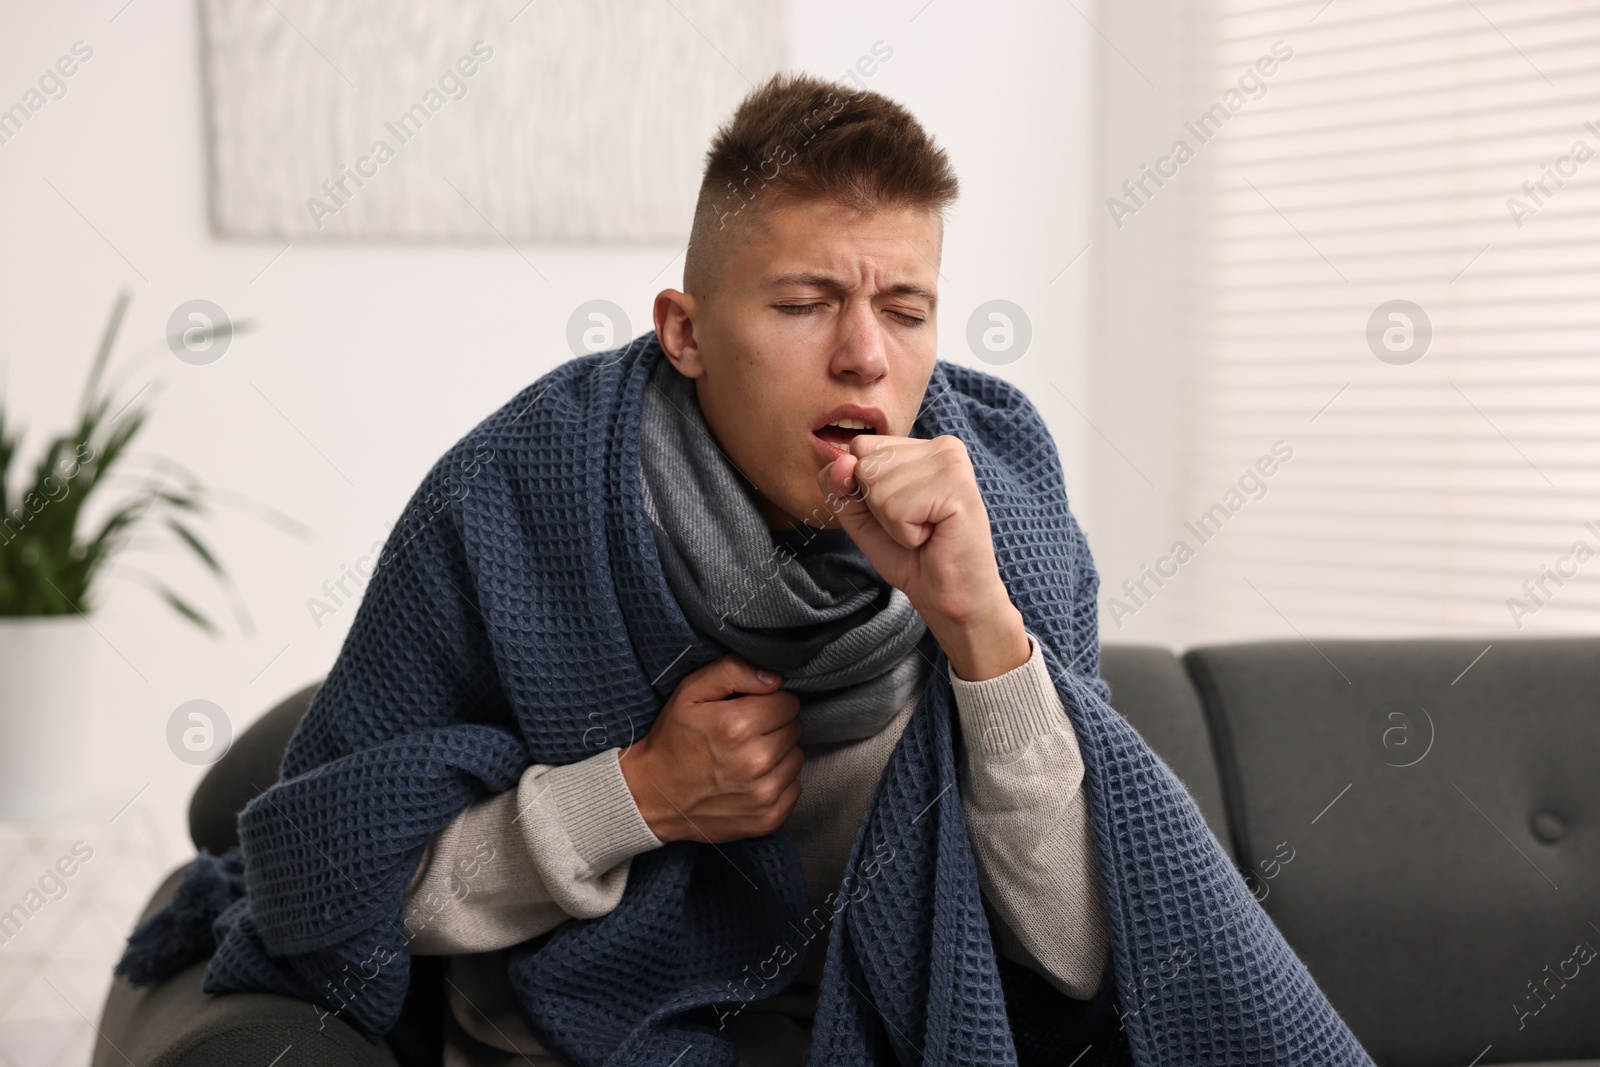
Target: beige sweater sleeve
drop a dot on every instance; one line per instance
(1021, 782)
(519, 863)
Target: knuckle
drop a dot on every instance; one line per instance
(753, 764)
(737, 729)
(953, 449)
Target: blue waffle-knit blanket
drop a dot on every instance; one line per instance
(519, 614)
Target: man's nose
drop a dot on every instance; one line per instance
(860, 350)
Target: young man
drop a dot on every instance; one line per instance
(733, 696)
(795, 365)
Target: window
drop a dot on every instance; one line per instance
(1391, 268)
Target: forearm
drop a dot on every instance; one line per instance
(1022, 793)
(517, 864)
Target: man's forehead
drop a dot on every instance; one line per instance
(794, 243)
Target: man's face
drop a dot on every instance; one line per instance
(822, 315)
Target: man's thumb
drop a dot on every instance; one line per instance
(729, 675)
(842, 490)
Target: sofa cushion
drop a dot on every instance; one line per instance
(1151, 689)
(1424, 826)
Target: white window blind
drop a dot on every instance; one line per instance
(1442, 153)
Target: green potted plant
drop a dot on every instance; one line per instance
(53, 564)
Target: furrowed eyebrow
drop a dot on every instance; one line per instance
(908, 289)
(832, 284)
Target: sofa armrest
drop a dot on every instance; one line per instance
(174, 1024)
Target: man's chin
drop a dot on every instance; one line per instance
(815, 513)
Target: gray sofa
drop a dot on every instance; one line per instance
(1421, 823)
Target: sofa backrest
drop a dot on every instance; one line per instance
(247, 769)
(1424, 827)
(1151, 689)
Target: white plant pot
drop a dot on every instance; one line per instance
(43, 714)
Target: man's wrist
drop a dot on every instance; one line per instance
(653, 806)
(985, 645)
(591, 802)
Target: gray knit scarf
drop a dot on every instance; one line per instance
(804, 602)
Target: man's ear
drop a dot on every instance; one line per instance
(675, 313)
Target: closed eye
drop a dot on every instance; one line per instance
(805, 309)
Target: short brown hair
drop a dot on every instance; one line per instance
(799, 137)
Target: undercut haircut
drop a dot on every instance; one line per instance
(801, 138)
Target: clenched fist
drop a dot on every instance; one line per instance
(914, 508)
(722, 760)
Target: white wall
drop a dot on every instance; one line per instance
(1138, 394)
(368, 361)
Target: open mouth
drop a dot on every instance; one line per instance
(839, 433)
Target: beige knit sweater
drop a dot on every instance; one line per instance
(558, 846)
